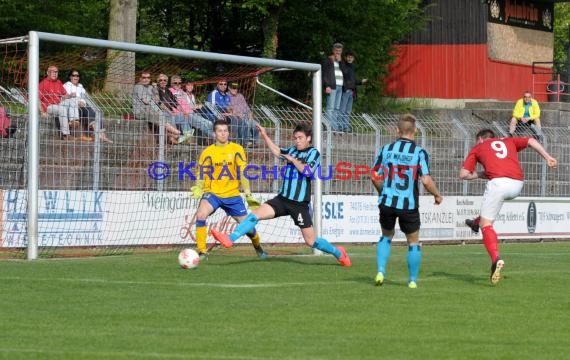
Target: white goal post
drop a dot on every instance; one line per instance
(33, 166)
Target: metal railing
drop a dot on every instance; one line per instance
(123, 165)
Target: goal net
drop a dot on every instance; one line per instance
(118, 183)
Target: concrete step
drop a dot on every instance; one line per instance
(508, 105)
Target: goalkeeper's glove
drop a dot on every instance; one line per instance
(196, 191)
(252, 202)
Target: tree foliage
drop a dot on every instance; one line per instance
(299, 30)
(562, 39)
(367, 27)
(72, 17)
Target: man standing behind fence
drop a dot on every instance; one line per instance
(349, 88)
(396, 171)
(333, 82)
(499, 157)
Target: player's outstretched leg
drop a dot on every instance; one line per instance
(338, 252)
(414, 261)
(382, 254)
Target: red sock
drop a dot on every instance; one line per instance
(491, 242)
(477, 220)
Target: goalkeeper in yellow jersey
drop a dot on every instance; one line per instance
(218, 186)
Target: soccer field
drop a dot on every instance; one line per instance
(234, 306)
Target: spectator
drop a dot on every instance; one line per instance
(52, 93)
(75, 91)
(145, 107)
(349, 88)
(242, 117)
(220, 99)
(188, 88)
(6, 129)
(196, 106)
(333, 81)
(167, 102)
(187, 102)
(526, 113)
(77, 107)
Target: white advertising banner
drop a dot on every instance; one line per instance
(355, 218)
(534, 218)
(118, 218)
(109, 218)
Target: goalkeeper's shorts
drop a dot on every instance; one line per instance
(233, 206)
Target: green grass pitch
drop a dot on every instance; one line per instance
(234, 306)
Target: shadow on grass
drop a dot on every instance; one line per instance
(463, 277)
(301, 260)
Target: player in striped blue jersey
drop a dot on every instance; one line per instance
(397, 171)
(294, 197)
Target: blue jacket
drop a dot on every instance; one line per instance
(219, 100)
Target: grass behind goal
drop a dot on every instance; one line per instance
(235, 306)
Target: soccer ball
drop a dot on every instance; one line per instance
(188, 259)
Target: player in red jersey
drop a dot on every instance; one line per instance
(499, 158)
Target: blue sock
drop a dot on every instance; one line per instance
(325, 246)
(414, 260)
(247, 225)
(383, 253)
